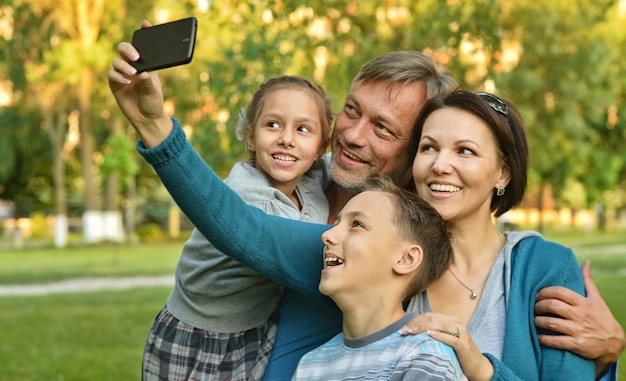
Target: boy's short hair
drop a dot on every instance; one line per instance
(418, 222)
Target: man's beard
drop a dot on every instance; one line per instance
(352, 180)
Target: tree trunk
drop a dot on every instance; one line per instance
(131, 208)
(92, 218)
(57, 132)
(88, 22)
(112, 216)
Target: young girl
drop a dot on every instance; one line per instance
(220, 319)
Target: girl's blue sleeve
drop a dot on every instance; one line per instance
(287, 251)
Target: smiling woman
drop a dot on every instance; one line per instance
(471, 160)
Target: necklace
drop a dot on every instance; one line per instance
(473, 293)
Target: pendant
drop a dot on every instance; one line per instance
(473, 295)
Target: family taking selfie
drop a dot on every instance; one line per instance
(359, 243)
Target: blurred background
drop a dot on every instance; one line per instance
(67, 158)
(75, 198)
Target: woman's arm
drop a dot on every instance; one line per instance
(586, 324)
(287, 251)
(536, 264)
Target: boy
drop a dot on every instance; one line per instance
(386, 246)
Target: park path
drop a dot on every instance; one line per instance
(86, 285)
(99, 284)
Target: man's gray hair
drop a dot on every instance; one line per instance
(405, 67)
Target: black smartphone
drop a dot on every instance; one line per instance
(165, 45)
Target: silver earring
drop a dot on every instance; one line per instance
(500, 191)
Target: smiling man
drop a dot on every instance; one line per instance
(377, 119)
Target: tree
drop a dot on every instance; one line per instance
(564, 76)
(25, 175)
(51, 41)
(559, 83)
(245, 43)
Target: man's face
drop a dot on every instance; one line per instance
(372, 131)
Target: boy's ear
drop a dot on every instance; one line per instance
(410, 260)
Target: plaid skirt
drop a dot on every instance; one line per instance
(176, 351)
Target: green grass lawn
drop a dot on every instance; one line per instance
(100, 335)
(82, 336)
(39, 265)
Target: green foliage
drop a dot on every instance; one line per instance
(24, 175)
(246, 43)
(119, 156)
(150, 233)
(560, 84)
(567, 77)
(40, 227)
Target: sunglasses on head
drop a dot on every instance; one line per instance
(494, 102)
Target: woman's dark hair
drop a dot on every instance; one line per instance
(507, 127)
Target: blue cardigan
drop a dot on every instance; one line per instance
(289, 252)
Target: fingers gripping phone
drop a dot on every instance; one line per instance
(165, 45)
